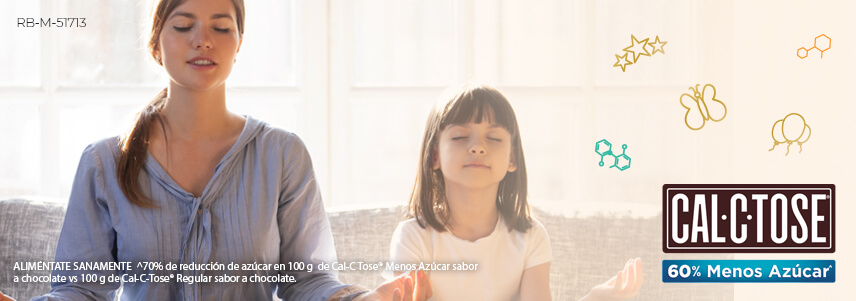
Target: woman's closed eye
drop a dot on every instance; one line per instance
(495, 139)
(459, 138)
(187, 28)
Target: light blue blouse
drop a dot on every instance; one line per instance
(262, 205)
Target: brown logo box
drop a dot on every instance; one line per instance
(749, 218)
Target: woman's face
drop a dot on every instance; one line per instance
(199, 42)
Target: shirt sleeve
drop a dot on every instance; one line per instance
(537, 246)
(407, 245)
(87, 236)
(305, 234)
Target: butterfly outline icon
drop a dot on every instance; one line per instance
(700, 100)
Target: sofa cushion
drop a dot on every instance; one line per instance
(29, 230)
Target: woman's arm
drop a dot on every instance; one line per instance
(305, 234)
(87, 235)
(535, 283)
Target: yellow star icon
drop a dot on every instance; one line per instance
(618, 61)
(637, 47)
(657, 48)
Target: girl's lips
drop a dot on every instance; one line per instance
(477, 165)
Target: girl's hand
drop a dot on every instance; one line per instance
(413, 286)
(622, 286)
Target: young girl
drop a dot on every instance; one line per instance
(469, 206)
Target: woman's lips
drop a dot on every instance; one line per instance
(202, 63)
(202, 67)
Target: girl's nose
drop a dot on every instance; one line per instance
(477, 149)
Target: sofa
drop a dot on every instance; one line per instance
(588, 244)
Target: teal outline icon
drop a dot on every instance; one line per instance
(608, 152)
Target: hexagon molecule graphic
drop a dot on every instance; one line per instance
(821, 43)
(604, 148)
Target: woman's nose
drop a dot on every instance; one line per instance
(202, 40)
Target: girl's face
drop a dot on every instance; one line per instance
(474, 155)
(199, 42)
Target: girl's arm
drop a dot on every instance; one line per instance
(535, 283)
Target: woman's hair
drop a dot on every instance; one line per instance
(471, 104)
(133, 145)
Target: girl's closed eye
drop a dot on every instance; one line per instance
(223, 30)
(456, 138)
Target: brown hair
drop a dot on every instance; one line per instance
(427, 201)
(133, 145)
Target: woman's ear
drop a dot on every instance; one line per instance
(156, 52)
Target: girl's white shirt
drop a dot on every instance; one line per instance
(499, 259)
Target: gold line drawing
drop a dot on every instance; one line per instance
(656, 48)
(637, 49)
(705, 104)
(619, 64)
(784, 131)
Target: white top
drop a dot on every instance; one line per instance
(494, 264)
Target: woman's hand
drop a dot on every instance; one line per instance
(5, 298)
(413, 286)
(622, 286)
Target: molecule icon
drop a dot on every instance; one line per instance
(604, 148)
(821, 43)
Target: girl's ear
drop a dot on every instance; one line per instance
(512, 162)
(435, 159)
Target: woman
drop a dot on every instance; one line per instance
(192, 184)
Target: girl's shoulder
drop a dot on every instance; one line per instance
(537, 228)
(410, 229)
(410, 225)
(535, 235)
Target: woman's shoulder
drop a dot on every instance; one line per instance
(106, 148)
(271, 136)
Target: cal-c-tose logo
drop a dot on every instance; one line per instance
(741, 218)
